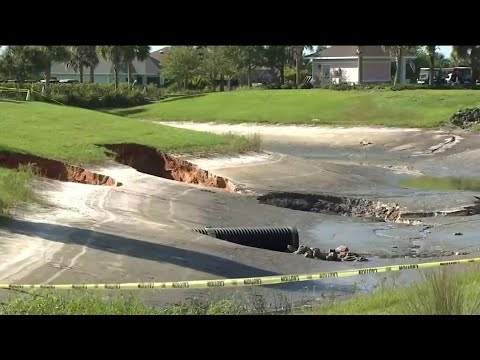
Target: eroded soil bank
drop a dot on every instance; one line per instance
(150, 161)
(54, 169)
(356, 207)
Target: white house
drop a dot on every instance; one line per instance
(340, 64)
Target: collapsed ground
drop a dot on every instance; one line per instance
(147, 213)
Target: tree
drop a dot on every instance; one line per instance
(21, 62)
(81, 57)
(360, 63)
(115, 55)
(91, 58)
(49, 55)
(276, 57)
(182, 63)
(431, 50)
(247, 58)
(130, 53)
(296, 52)
(398, 51)
(217, 61)
(472, 53)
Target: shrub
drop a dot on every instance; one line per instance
(93, 96)
(307, 85)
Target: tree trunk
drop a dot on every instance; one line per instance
(360, 68)
(282, 75)
(48, 76)
(229, 84)
(431, 74)
(248, 78)
(80, 72)
(92, 74)
(115, 75)
(213, 82)
(298, 68)
(398, 70)
(474, 64)
(129, 70)
(222, 85)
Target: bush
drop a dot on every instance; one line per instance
(307, 85)
(286, 86)
(94, 96)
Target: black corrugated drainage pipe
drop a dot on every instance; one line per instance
(271, 238)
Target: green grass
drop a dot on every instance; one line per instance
(444, 292)
(94, 303)
(71, 134)
(409, 108)
(15, 188)
(442, 183)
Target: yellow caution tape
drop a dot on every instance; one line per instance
(264, 280)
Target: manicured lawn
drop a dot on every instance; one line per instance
(408, 108)
(70, 133)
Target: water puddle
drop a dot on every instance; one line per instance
(442, 183)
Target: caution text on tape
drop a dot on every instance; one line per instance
(241, 282)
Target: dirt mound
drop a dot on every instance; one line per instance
(54, 169)
(150, 161)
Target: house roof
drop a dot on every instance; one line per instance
(350, 51)
(149, 66)
(161, 54)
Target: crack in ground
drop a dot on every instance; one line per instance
(357, 207)
(54, 169)
(149, 160)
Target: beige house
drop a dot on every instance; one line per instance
(340, 64)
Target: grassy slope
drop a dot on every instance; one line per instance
(70, 133)
(409, 108)
(441, 293)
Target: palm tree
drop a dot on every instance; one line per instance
(360, 63)
(431, 54)
(115, 55)
(78, 60)
(92, 60)
(297, 52)
(52, 54)
(398, 51)
(130, 53)
(471, 52)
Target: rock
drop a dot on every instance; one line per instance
(309, 254)
(341, 248)
(301, 250)
(332, 256)
(291, 249)
(458, 233)
(318, 254)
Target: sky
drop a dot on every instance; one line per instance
(445, 50)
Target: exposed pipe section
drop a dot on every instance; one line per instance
(271, 238)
